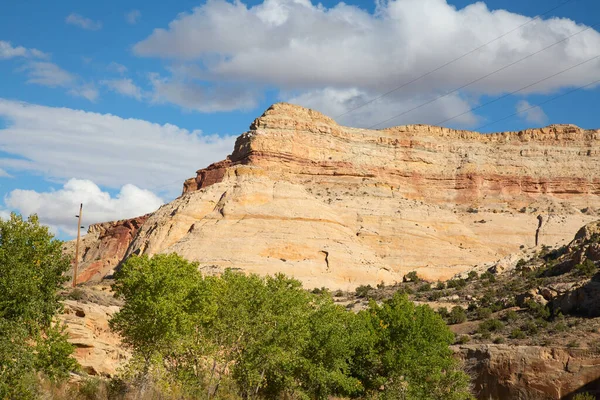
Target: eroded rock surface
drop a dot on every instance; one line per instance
(338, 207)
(530, 372)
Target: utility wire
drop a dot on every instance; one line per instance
(453, 61)
(483, 77)
(539, 104)
(517, 91)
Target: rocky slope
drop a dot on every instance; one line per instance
(337, 206)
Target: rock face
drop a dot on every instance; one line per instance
(103, 247)
(530, 372)
(338, 207)
(97, 349)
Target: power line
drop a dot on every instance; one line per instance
(483, 77)
(539, 104)
(517, 91)
(453, 61)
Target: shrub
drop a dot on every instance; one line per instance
(426, 287)
(499, 340)
(587, 268)
(490, 325)
(412, 277)
(456, 284)
(530, 327)
(76, 294)
(573, 344)
(443, 312)
(584, 396)
(457, 315)
(472, 275)
(484, 313)
(363, 290)
(517, 334)
(463, 339)
(537, 310)
(487, 275)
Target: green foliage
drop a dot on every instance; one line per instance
(472, 276)
(584, 396)
(487, 275)
(499, 340)
(537, 310)
(573, 344)
(408, 353)
(440, 286)
(517, 334)
(457, 315)
(463, 339)
(426, 287)
(412, 277)
(31, 273)
(484, 313)
(511, 315)
(490, 325)
(268, 338)
(456, 284)
(443, 312)
(363, 290)
(587, 268)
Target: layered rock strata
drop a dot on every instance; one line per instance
(338, 207)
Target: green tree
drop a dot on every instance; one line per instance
(407, 354)
(32, 269)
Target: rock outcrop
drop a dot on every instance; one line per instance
(530, 372)
(103, 247)
(338, 207)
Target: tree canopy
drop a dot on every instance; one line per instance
(269, 338)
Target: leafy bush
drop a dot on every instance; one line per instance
(484, 313)
(463, 339)
(537, 310)
(275, 338)
(31, 274)
(426, 287)
(412, 277)
(487, 275)
(499, 340)
(363, 290)
(473, 275)
(490, 325)
(443, 312)
(440, 286)
(457, 315)
(587, 268)
(456, 284)
(517, 334)
(584, 396)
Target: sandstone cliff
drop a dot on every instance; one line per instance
(338, 207)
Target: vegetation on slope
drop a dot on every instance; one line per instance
(238, 336)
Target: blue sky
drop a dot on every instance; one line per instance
(115, 103)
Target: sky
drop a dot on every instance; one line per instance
(113, 104)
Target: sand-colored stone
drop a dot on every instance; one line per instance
(530, 372)
(338, 207)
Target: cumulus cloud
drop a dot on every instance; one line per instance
(8, 51)
(124, 86)
(111, 151)
(133, 16)
(533, 114)
(58, 208)
(83, 22)
(301, 48)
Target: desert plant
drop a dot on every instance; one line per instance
(457, 315)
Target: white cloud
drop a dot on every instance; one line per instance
(124, 86)
(83, 22)
(111, 151)
(533, 114)
(46, 73)
(8, 51)
(58, 208)
(116, 67)
(296, 46)
(4, 174)
(193, 96)
(133, 16)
